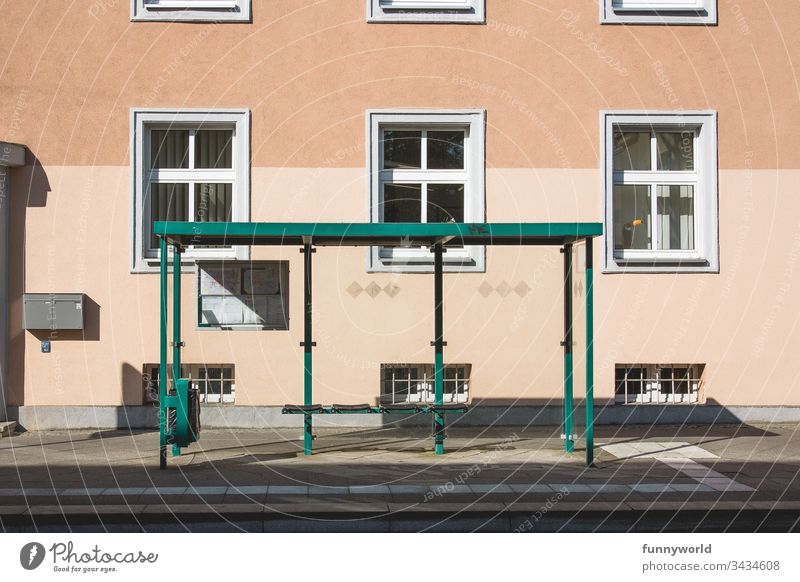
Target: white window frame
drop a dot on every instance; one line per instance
(705, 256)
(443, 11)
(658, 11)
(470, 258)
(191, 10)
(146, 260)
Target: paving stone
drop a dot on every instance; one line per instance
(491, 488)
(288, 490)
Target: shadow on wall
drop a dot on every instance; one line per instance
(29, 187)
(132, 386)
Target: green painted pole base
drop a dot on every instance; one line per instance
(308, 436)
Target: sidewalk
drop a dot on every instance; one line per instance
(496, 479)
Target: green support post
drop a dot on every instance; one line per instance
(181, 417)
(438, 343)
(308, 344)
(162, 370)
(589, 354)
(569, 421)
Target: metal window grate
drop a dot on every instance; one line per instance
(658, 383)
(402, 383)
(216, 383)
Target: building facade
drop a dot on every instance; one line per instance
(672, 122)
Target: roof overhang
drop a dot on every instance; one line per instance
(383, 234)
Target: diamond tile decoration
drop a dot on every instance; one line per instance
(391, 289)
(373, 289)
(503, 288)
(354, 289)
(522, 289)
(485, 289)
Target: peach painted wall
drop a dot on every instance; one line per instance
(308, 73)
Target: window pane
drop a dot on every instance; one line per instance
(169, 148)
(402, 149)
(445, 202)
(631, 150)
(446, 150)
(676, 218)
(213, 202)
(402, 202)
(631, 217)
(213, 148)
(676, 151)
(168, 202)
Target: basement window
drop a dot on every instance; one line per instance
(216, 383)
(414, 383)
(658, 383)
(444, 11)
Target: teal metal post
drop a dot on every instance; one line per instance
(308, 344)
(162, 370)
(182, 412)
(569, 421)
(438, 343)
(589, 354)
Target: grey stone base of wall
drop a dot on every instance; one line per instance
(113, 417)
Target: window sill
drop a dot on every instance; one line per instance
(189, 261)
(475, 13)
(473, 262)
(653, 266)
(229, 11)
(686, 16)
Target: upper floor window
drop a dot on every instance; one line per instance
(659, 11)
(191, 10)
(426, 167)
(661, 191)
(188, 166)
(426, 11)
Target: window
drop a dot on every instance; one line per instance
(426, 11)
(659, 11)
(401, 383)
(188, 165)
(661, 192)
(426, 167)
(657, 383)
(243, 295)
(216, 383)
(191, 10)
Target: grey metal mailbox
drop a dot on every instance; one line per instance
(54, 311)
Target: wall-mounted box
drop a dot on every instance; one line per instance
(54, 311)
